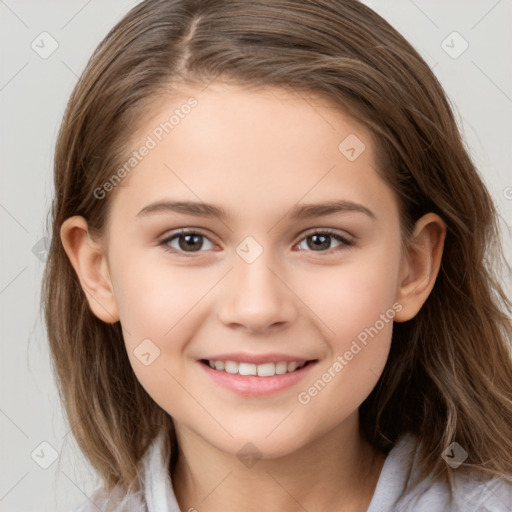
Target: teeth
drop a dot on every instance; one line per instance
(231, 367)
(292, 367)
(262, 370)
(281, 368)
(266, 370)
(247, 369)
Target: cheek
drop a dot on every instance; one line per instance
(355, 303)
(153, 298)
(352, 296)
(156, 306)
(362, 326)
(160, 306)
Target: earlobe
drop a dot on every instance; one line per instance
(421, 264)
(90, 264)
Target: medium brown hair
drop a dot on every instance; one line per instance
(449, 372)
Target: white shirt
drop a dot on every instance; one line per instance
(392, 493)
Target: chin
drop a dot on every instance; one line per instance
(263, 446)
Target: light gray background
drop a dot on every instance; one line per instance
(33, 95)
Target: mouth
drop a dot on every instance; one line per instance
(253, 380)
(269, 369)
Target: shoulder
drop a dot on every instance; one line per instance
(470, 493)
(474, 492)
(155, 492)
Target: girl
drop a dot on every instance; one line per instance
(271, 281)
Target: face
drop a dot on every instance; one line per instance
(269, 281)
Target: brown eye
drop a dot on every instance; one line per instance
(320, 241)
(186, 242)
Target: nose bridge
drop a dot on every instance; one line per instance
(256, 296)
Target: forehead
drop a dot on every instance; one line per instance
(249, 149)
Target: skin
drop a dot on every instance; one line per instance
(257, 155)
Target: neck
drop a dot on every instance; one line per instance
(315, 477)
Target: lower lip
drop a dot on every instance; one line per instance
(252, 385)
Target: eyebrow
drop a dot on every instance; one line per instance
(299, 211)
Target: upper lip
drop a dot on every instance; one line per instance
(257, 358)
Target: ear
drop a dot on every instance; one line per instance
(90, 263)
(420, 265)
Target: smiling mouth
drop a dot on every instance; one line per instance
(260, 370)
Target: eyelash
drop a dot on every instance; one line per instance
(346, 243)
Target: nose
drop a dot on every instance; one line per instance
(256, 297)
